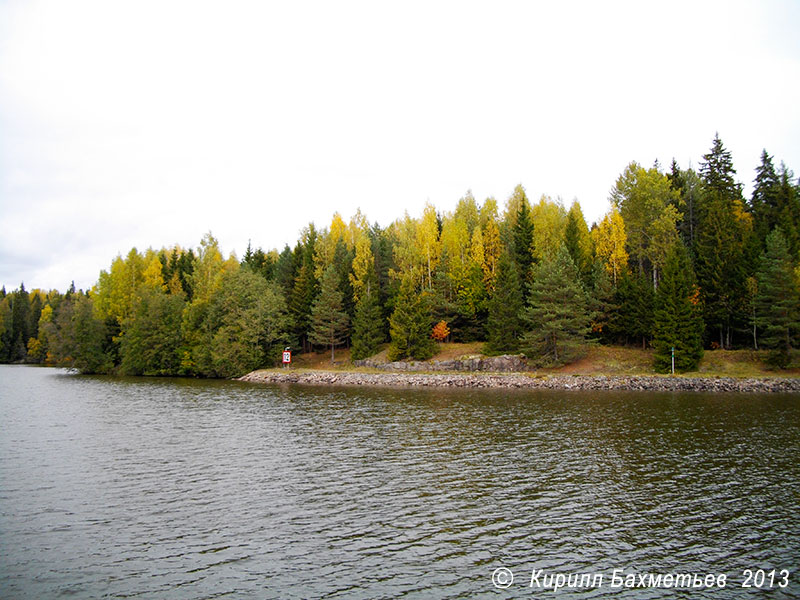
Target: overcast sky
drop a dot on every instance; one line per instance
(150, 123)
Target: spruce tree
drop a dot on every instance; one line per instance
(634, 318)
(305, 288)
(523, 245)
(558, 316)
(20, 324)
(788, 207)
(721, 242)
(777, 300)
(677, 322)
(604, 299)
(572, 242)
(329, 322)
(764, 202)
(411, 322)
(367, 325)
(504, 325)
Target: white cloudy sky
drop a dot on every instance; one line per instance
(148, 123)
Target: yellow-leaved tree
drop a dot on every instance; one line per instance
(610, 241)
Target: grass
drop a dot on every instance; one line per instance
(599, 360)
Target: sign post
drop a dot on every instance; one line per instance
(287, 356)
(673, 360)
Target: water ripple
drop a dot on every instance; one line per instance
(186, 489)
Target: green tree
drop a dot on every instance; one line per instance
(411, 322)
(368, 331)
(645, 200)
(329, 322)
(245, 326)
(305, 288)
(20, 324)
(777, 300)
(635, 298)
(688, 185)
(6, 328)
(764, 201)
(523, 245)
(558, 316)
(78, 338)
(151, 340)
(578, 241)
(788, 201)
(723, 232)
(677, 321)
(504, 324)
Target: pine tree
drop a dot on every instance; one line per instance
(777, 300)
(558, 316)
(329, 322)
(677, 322)
(410, 323)
(504, 325)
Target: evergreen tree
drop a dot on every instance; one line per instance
(777, 300)
(504, 324)
(677, 322)
(788, 207)
(305, 289)
(185, 270)
(384, 263)
(575, 244)
(634, 318)
(6, 328)
(329, 321)
(20, 324)
(604, 297)
(721, 242)
(764, 201)
(78, 338)
(688, 185)
(558, 316)
(411, 322)
(523, 246)
(343, 264)
(367, 325)
(285, 271)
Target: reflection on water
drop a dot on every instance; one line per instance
(191, 489)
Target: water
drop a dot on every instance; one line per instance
(188, 489)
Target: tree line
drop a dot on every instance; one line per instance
(680, 261)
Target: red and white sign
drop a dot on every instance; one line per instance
(287, 356)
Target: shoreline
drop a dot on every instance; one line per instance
(659, 383)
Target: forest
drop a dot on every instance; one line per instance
(681, 260)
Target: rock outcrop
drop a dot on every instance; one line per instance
(518, 380)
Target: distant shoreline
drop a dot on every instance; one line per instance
(522, 381)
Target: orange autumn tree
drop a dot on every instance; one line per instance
(440, 331)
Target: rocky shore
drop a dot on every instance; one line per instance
(518, 380)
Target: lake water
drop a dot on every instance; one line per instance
(147, 488)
